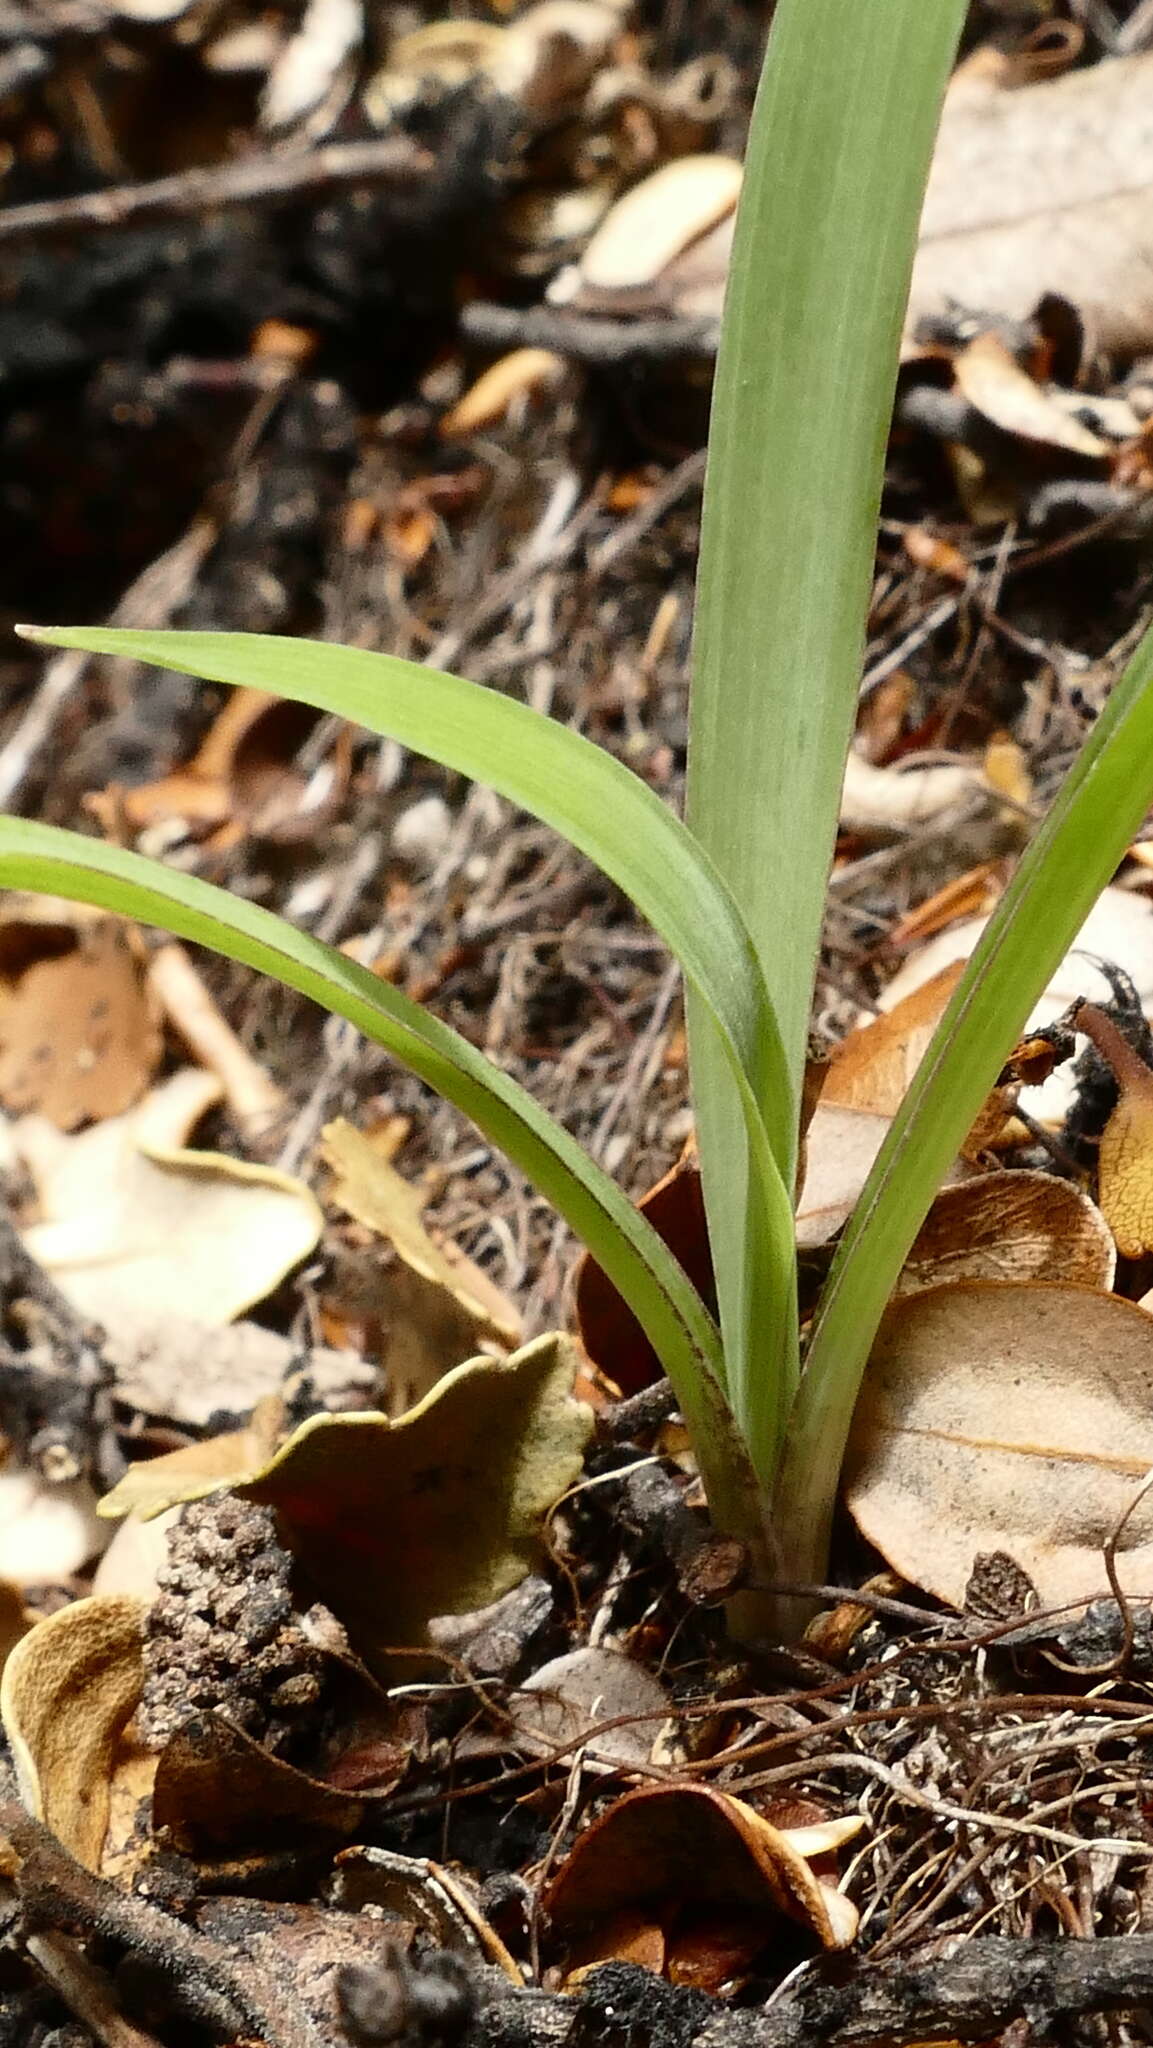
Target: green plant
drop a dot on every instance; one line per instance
(837, 161)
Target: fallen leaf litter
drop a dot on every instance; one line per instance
(998, 1794)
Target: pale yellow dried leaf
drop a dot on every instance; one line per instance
(657, 222)
(440, 1512)
(196, 1470)
(521, 374)
(1011, 1226)
(68, 1691)
(437, 1306)
(1125, 1171)
(1014, 1418)
(47, 1530)
(130, 1218)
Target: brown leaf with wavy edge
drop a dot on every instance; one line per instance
(683, 1852)
(1011, 1226)
(1014, 1417)
(69, 1688)
(439, 1512)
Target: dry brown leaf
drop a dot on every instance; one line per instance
(674, 1850)
(871, 1069)
(608, 1328)
(130, 1217)
(219, 1795)
(79, 1030)
(973, 894)
(1011, 1226)
(154, 1485)
(1045, 189)
(992, 381)
(68, 1691)
(888, 801)
(244, 776)
(1014, 1418)
(436, 1306)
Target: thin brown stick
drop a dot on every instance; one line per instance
(266, 179)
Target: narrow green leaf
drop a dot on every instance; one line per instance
(43, 857)
(837, 161)
(1103, 801)
(574, 786)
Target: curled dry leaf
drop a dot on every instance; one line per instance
(437, 1513)
(675, 1858)
(667, 241)
(68, 1691)
(130, 1217)
(989, 377)
(436, 1306)
(1014, 1418)
(79, 1029)
(243, 777)
(1011, 1226)
(887, 801)
(523, 374)
(608, 1328)
(440, 1512)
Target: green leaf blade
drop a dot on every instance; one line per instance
(838, 157)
